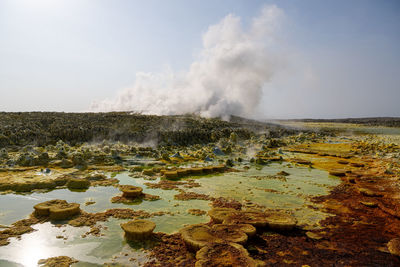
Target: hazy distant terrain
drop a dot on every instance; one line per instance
(375, 121)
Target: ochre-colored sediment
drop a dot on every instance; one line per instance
(222, 202)
(226, 254)
(301, 161)
(43, 209)
(95, 230)
(129, 200)
(248, 229)
(364, 230)
(27, 179)
(131, 191)
(60, 261)
(80, 219)
(197, 212)
(216, 202)
(104, 182)
(169, 184)
(182, 172)
(394, 246)
(218, 215)
(196, 171)
(89, 219)
(18, 228)
(280, 221)
(355, 236)
(64, 212)
(174, 174)
(197, 236)
(338, 173)
(138, 229)
(170, 250)
(171, 175)
(57, 209)
(255, 218)
(230, 234)
(165, 184)
(191, 195)
(366, 210)
(76, 183)
(132, 194)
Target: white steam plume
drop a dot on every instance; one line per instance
(227, 79)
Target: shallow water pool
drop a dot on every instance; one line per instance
(259, 187)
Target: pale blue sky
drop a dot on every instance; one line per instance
(60, 55)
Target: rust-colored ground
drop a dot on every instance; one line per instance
(366, 211)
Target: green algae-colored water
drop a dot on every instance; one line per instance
(254, 186)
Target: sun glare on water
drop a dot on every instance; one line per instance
(32, 250)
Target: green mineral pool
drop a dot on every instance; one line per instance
(253, 187)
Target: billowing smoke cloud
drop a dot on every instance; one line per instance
(227, 78)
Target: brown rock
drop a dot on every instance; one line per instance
(394, 246)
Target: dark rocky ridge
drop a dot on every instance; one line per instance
(46, 128)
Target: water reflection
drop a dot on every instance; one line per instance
(43, 244)
(254, 186)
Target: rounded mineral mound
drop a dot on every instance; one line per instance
(226, 254)
(198, 170)
(148, 172)
(57, 209)
(171, 175)
(182, 172)
(255, 218)
(229, 234)
(138, 229)
(248, 229)
(76, 183)
(64, 212)
(218, 215)
(131, 191)
(197, 236)
(156, 169)
(280, 221)
(394, 246)
(219, 168)
(43, 209)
